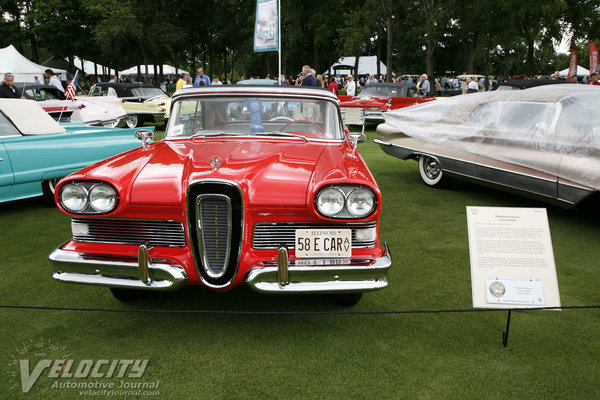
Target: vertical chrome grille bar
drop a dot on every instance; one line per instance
(213, 228)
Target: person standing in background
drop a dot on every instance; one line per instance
(7, 90)
(53, 80)
(333, 86)
(350, 86)
(308, 79)
(182, 81)
(201, 77)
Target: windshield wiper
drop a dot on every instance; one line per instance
(213, 134)
(282, 134)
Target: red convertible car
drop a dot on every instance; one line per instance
(376, 98)
(260, 186)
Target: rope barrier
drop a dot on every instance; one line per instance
(240, 312)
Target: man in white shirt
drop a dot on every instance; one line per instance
(53, 80)
(350, 86)
(473, 86)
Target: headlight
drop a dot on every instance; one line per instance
(88, 197)
(345, 201)
(102, 198)
(74, 197)
(330, 202)
(360, 202)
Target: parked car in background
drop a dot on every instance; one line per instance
(377, 98)
(86, 110)
(542, 142)
(520, 84)
(142, 102)
(36, 151)
(251, 185)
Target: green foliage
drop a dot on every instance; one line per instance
(480, 36)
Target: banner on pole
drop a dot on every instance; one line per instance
(573, 65)
(593, 57)
(266, 27)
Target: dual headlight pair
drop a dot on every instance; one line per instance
(345, 202)
(88, 198)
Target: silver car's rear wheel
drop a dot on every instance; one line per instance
(431, 171)
(132, 121)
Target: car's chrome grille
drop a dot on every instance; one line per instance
(274, 235)
(215, 228)
(127, 231)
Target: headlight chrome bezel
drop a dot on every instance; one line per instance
(346, 190)
(88, 187)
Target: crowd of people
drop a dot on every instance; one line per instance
(438, 86)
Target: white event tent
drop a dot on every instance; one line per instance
(366, 65)
(89, 69)
(24, 70)
(581, 72)
(167, 69)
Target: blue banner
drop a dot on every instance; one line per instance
(266, 27)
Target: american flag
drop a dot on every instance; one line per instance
(70, 90)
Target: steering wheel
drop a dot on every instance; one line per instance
(303, 121)
(281, 118)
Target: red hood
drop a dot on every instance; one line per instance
(365, 102)
(270, 172)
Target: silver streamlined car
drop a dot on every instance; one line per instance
(542, 142)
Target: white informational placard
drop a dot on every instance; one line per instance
(512, 262)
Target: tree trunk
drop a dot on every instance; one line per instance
(429, 59)
(145, 59)
(242, 66)
(34, 49)
(529, 61)
(379, 55)
(356, 61)
(387, 6)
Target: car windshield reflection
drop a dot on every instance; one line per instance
(254, 116)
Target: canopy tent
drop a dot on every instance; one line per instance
(167, 69)
(581, 72)
(366, 65)
(24, 70)
(89, 69)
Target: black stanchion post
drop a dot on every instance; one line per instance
(505, 333)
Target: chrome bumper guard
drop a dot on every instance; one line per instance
(321, 276)
(146, 273)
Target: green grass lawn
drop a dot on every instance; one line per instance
(550, 355)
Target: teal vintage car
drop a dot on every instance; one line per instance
(36, 151)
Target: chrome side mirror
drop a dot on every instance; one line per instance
(145, 135)
(357, 137)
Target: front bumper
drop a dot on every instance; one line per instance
(374, 116)
(321, 275)
(281, 276)
(153, 274)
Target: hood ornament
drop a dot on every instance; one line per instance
(215, 162)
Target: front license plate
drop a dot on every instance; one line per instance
(323, 243)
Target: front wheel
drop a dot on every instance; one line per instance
(48, 189)
(127, 295)
(133, 121)
(431, 172)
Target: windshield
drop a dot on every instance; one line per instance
(40, 94)
(148, 92)
(245, 115)
(384, 91)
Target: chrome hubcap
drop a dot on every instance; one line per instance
(431, 167)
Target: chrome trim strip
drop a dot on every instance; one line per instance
(323, 278)
(89, 269)
(200, 232)
(187, 203)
